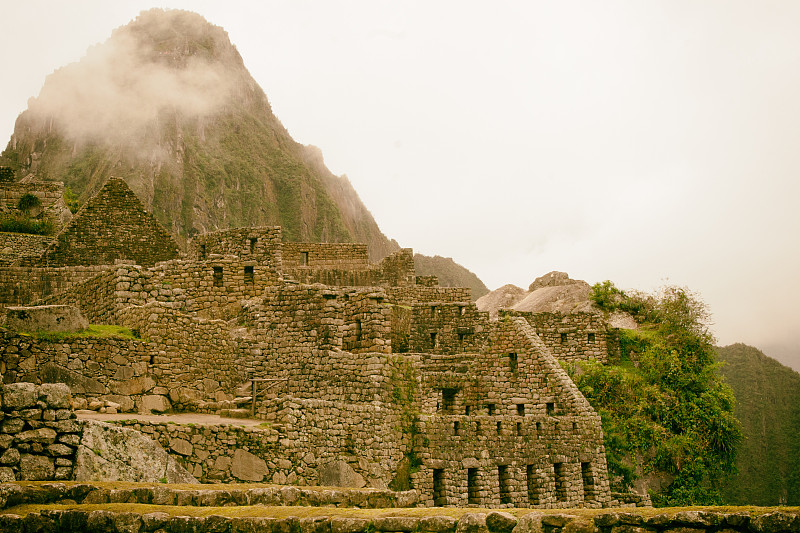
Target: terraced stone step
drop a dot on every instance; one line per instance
(135, 518)
(23, 493)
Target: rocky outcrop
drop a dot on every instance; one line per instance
(111, 453)
(554, 292)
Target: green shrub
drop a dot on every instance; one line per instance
(18, 223)
(28, 201)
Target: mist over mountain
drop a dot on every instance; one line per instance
(450, 273)
(167, 104)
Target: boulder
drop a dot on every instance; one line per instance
(248, 467)
(154, 402)
(110, 453)
(340, 474)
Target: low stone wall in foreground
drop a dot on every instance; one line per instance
(280, 520)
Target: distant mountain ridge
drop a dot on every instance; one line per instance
(167, 104)
(450, 273)
(768, 407)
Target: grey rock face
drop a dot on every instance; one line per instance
(56, 318)
(110, 453)
(340, 474)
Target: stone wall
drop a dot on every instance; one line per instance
(260, 244)
(507, 427)
(38, 435)
(426, 294)
(18, 246)
(325, 255)
(24, 285)
(272, 519)
(111, 225)
(571, 336)
(446, 328)
(348, 269)
(48, 192)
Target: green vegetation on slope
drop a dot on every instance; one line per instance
(768, 406)
(664, 404)
(450, 273)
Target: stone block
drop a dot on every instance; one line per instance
(56, 395)
(154, 402)
(248, 467)
(52, 318)
(36, 468)
(339, 474)
(18, 396)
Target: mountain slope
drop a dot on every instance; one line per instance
(167, 104)
(450, 273)
(768, 407)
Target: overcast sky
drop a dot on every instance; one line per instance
(642, 142)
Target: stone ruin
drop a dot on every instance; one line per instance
(364, 374)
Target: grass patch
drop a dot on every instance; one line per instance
(102, 331)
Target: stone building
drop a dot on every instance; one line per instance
(368, 374)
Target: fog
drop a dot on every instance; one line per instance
(642, 142)
(119, 90)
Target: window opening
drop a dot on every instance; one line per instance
(591, 338)
(358, 330)
(434, 340)
(490, 407)
(499, 427)
(504, 482)
(563, 338)
(253, 241)
(521, 409)
(439, 491)
(456, 427)
(303, 258)
(433, 311)
(551, 409)
(519, 428)
(249, 275)
(473, 496)
(512, 362)
(218, 276)
(466, 409)
(202, 251)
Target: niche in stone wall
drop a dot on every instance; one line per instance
(439, 488)
(217, 276)
(249, 275)
(449, 400)
(504, 483)
(560, 478)
(253, 241)
(533, 489)
(303, 258)
(473, 490)
(590, 338)
(588, 482)
(512, 362)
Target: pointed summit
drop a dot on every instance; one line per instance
(167, 104)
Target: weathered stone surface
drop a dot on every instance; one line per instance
(180, 446)
(78, 383)
(10, 457)
(41, 435)
(154, 402)
(54, 318)
(109, 453)
(472, 523)
(133, 386)
(340, 474)
(529, 523)
(342, 524)
(396, 523)
(248, 467)
(36, 467)
(125, 403)
(18, 396)
(56, 395)
(500, 522)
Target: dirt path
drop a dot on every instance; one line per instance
(181, 418)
